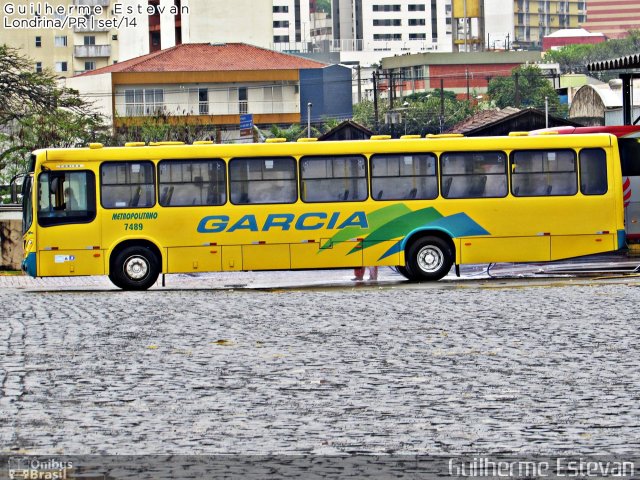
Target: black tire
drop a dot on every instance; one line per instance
(404, 271)
(135, 268)
(429, 258)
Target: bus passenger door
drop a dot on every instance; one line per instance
(69, 237)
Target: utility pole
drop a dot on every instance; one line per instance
(360, 84)
(441, 105)
(546, 112)
(375, 100)
(467, 75)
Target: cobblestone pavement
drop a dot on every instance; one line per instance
(545, 366)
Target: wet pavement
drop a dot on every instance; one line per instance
(312, 363)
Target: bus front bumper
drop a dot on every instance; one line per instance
(29, 264)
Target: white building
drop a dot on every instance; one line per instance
(398, 27)
(291, 25)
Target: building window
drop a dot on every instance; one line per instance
(61, 67)
(203, 101)
(416, 8)
(387, 37)
(414, 22)
(60, 41)
(417, 36)
(281, 39)
(38, 42)
(39, 67)
(281, 24)
(434, 20)
(280, 9)
(90, 65)
(262, 180)
(243, 100)
(89, 40)
(387, 22)
(386, 8)
(139, 102)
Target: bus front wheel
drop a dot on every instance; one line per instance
(135, 268)
(429, 258)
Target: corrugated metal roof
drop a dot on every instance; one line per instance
(621, 63)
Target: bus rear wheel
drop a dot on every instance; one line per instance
(134, 268)
(429, 258)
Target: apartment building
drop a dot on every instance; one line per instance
(613, 18)
(398, 26)
(534, 19)
(70, 37)
(65, 37)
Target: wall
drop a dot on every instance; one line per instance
(95, 89)
(10, 240)
(329, 90)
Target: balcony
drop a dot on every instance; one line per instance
(92, 51)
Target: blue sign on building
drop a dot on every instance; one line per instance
(246, 121)
(246, 125)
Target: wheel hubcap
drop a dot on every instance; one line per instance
(136, 268)
(430, 259)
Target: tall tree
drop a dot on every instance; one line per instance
(530, 86)
(35, 112)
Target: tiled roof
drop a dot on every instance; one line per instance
(483, 118)
(206, 57)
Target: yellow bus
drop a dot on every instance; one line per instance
(419, 204)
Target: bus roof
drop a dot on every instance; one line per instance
(354, 147)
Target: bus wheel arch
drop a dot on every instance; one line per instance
(135, 265)
(429, 255)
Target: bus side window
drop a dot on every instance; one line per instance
(334, 178)
(541, 173)
(407, 176)
(185, 183)
(127, 184)
(474, 174)
(262, 180)
(593, 171)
